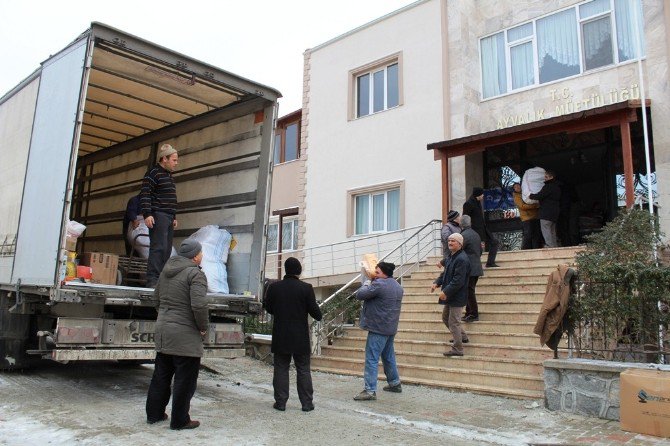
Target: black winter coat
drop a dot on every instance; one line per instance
(454, 279)
(550, 200)
(473, 208)
(472, 246)
(290, 301)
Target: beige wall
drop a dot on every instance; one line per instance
(470, 20)
(286, 181)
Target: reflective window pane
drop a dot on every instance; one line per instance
(520, 32)
(362, 214)
(522, 64)
(287, 236)
(628, 25)
(494, 74)
(392, 92)
(597, 37)
(295, 234)
(363, 89)
(291, 148)
(557, 46)
(272, 237)
(393, 212)
(592, 8)
(277, 154)
(378, 215)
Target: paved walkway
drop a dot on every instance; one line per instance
(457, 417)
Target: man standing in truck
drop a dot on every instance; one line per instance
(159, 207)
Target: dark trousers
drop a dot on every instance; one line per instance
(471, 309)
(185, 371)
(491, 246)
(160, 246)
(282, 361)
(532, 234)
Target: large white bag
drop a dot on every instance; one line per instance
(215, 246)
(141, 243)
(532, 183)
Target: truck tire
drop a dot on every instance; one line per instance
(14, 336)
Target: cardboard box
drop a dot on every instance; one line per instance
(103, 266)
(645, 402)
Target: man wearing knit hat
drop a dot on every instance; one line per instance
(181, 325)
(454, 295)
(158, 199)
(382, 298)
(290, 301)
(452, 226)
(473, 208)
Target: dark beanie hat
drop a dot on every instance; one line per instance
(190, 248)
(292, 266)
(387, 268)
(477, 191)
(452, 215)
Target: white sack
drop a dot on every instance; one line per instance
(532, 183)
(142, 242)
(215, 246)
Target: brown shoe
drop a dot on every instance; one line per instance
(190, 425)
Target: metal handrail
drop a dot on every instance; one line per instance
(326, 328)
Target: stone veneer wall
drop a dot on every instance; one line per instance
(586, 387)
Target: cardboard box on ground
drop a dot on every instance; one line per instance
(103, 266)
(645, 402)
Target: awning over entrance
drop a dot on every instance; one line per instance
(620, 114)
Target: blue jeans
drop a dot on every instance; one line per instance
(380, 345)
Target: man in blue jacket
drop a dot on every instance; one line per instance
(454, 294)
(382, 298)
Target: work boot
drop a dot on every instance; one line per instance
(393, 389)
(366, 396)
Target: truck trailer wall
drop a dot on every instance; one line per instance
(48, 173)
(16, 123)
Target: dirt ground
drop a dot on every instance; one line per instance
(103, 404)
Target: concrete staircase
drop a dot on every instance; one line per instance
(503, 356)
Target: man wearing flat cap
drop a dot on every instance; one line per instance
(181, 325)
(158, 199)
(290, 300)
(454, 292)
(382, 298)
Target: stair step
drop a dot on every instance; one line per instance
(481, 326)
(452, 371)
(504, 365)
(489, 286)
(492, 338)
(495, 352)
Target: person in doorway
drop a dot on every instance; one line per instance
(530, 221)
(382, 298)
(159, 206)
(550, 198)
(454, 292)
(181, 325)
(473, 208)
(452, 226)
(290, 300)
(472, 246)
(132, 217)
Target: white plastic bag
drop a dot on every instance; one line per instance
(215, 246)
(74, 229)
(532, 183)
(141, 243)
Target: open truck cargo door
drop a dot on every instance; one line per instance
(55, 134)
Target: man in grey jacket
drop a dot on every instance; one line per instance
(382, 298)
(181, 325)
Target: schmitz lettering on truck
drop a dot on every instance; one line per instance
(141, 337)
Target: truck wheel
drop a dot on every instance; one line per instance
(14, 336)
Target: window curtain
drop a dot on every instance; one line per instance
(362, 214)
(625, 28)
(557, 46)
(597, 38)
(393, 210)
(494, 77)
(378, 214)
(272, 237)
(522, 65)
(287, 236)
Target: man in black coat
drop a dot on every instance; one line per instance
(550, 208)
(473, 208)
(472, 246)
(290, 301)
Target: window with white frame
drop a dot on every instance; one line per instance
(584, 37)
(377, 88)
(377, 211)
(289, 235)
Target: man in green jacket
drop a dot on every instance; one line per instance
(181, 325)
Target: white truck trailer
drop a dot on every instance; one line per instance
(76, 137)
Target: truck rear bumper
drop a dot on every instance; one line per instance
(125, 354)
